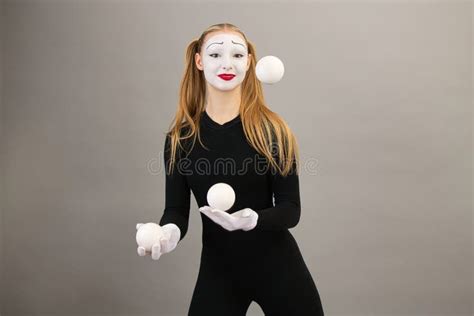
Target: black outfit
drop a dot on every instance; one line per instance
(237, 267)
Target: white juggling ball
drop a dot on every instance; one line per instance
(221, 196)
(149, 234)
(269, 69)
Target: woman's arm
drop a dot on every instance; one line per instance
(287, 207)
(177, 196)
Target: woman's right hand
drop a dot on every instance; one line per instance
(168, 242)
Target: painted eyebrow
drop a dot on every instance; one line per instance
(220, 43)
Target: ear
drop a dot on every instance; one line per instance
(197, 60)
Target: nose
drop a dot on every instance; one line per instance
(227, 64)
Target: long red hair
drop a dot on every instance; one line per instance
(264, 129)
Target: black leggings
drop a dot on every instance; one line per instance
(276, 278)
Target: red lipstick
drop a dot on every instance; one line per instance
(226, 76)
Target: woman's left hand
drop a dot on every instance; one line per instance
(245, 219)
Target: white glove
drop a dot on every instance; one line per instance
(168, 242)
(245, 219)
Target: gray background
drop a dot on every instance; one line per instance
(379, 95)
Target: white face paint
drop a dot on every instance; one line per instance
(224, 53)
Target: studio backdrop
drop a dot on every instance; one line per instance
(378, 94)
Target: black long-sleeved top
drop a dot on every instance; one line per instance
(229, 158)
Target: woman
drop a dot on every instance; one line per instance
(224, 132)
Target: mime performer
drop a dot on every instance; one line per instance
(223, 131)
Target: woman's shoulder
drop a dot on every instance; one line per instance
(182, 132)
(181, 137)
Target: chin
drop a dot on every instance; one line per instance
(226, 87)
